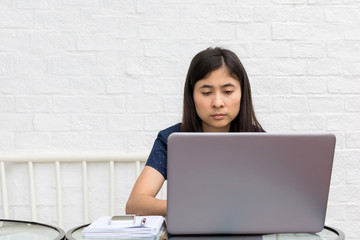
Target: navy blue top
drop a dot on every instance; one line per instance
(158, 155)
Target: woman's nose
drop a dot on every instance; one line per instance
(217, 101)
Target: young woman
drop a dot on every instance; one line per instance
(217, 98)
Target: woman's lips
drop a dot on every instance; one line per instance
(219, 116)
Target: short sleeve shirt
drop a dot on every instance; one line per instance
(158, 155)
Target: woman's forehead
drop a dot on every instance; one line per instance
(219, 77)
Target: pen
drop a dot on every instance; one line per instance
(143, 221)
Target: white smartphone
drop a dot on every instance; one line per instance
(122, 219)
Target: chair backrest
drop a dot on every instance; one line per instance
(63, 175)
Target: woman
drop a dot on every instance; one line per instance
(217, 98)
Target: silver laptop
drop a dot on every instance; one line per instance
(248, 183)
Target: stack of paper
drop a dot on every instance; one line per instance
(103, 228)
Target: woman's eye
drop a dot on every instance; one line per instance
(206, 93)
(228, 92)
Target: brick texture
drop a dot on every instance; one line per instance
(107, 75)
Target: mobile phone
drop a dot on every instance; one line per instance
(119, 219)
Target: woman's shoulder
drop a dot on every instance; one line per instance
(167, 131)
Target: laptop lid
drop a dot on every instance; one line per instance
(248, 183)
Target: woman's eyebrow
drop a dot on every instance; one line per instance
(206, 86)
(228, 85)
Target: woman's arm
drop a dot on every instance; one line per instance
(142, 199)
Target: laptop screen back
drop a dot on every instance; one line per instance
(248, 183)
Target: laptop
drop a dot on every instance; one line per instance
(248, 183)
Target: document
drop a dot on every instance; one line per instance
(141, 228)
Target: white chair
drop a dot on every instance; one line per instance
(61, 164)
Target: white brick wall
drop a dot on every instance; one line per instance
(107, 75)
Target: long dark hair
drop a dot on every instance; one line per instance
(202, 64)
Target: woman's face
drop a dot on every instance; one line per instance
(217, 100)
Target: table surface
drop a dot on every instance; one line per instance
(14, 230)
(326, 234)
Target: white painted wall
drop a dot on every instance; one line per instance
(107, 75)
